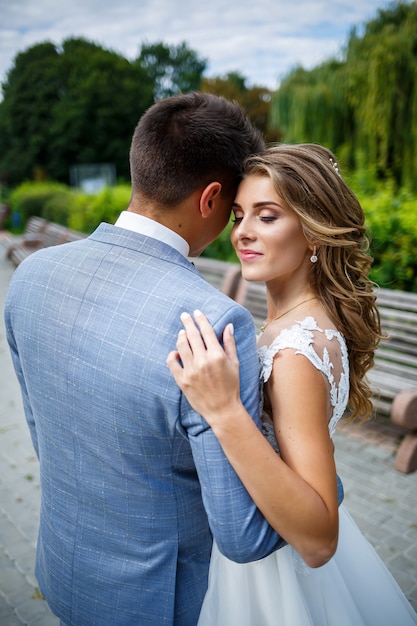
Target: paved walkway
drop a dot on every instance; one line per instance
(382, 501)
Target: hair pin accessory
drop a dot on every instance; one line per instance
(335, 166)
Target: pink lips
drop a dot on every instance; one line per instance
(249, 255)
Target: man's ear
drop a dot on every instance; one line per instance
(208, 197)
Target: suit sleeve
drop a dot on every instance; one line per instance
(241, 532)
(18, 369)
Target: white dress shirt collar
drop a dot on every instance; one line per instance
(145, 226)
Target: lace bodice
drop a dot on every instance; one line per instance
(325, 349)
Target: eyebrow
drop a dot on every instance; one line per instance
(258, 205)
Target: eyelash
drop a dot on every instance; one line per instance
(267, 219)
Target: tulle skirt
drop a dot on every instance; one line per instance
(353, 589)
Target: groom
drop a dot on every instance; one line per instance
(134, 483)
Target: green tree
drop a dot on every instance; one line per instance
(231, 86)
(102, 95)
(255, 100)
(173, 69)
(76, 104)
(382, 68)
(364, 107)
(26, 112)
(311, 105)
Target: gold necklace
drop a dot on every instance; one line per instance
(289, 310)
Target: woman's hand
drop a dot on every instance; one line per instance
(206, 373)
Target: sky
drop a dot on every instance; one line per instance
(261, 39)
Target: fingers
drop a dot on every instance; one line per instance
(195, 343)
(175, 366)
(192, 334)
(191, 348)
(201, 338)
(172, 360)
(204, 371)
(230, 344)
(207, 331)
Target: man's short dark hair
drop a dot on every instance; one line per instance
(184, 142)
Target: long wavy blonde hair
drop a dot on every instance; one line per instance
(307, 178)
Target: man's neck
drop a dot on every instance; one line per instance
(150, 227)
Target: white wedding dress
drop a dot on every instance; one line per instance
(354, 588)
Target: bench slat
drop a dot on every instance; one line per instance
(39, 234)
(223, 275)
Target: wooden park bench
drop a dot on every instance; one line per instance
(38, 234)
(223, 275)
(31, 238)
(52, 235)
(394, 375)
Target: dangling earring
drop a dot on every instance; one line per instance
(313, 257)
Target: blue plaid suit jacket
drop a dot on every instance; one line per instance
(134, 483)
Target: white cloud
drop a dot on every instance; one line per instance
(261, 40)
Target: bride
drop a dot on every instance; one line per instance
(300, 229)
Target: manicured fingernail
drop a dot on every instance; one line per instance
(197, 312)
(184, 315)
(231, 329)
(181, 332)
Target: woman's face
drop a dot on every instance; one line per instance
(267, 235)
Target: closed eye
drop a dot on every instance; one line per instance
(263, 218)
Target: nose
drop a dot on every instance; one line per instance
(243, 230)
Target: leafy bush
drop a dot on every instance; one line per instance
(392, 222)
(73, 208)
(52, 201)
(58, 207)
(89, 210)
(29, 199)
